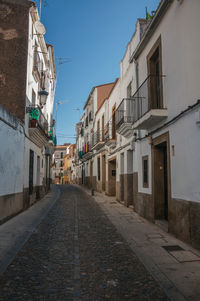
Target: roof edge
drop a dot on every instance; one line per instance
(160, 12)
(92, 92)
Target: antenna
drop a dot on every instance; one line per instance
(57, 104)
(44, 3)
(77, 109)
(61, 61)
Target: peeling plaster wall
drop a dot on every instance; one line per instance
(11, 154)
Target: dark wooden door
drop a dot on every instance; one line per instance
(31, 171)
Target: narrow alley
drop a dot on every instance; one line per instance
(76, 253)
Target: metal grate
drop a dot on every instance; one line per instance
(172, 248)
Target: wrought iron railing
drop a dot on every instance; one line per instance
(97, 137)
(37, 119)
(87, 148)
(148, 96)
(110, 131)
(125, 112)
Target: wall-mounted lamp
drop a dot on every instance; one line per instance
(43, 97)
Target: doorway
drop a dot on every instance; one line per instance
(122, 177)
(38, 178)
(31, 171)
(112, 177)
(154, 65)
(161, 177)
(91, 173)
(103, 172)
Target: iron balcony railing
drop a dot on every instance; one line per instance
(109, 131)
(125, 112)
(37, 119)
(87, 148)
(97, 137)
(147, 97)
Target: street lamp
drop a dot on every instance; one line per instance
(43, 97)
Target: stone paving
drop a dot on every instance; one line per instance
(77, 254)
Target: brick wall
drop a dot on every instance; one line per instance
(14, 16)
(102, 93)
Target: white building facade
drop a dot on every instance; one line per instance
(26, 108)
(151, 157)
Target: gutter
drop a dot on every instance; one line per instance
(162, 9)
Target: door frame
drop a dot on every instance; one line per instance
(109, 162)
(155, 142)
(91, 173)
(103, 167)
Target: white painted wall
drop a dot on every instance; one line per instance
(11, 154)
(179, 31)
(47, 110)
(185, 164)
(29, 145)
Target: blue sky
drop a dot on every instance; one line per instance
(93, 35)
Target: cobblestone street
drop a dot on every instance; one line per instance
(77, 254)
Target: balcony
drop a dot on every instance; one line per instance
(87, 151)
(110, 135)
(144, 110)
(125, 117)
(80, 154)
(38, 126)
(98, 140)
(86, 122)
(149, 103)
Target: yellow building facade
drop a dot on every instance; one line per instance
(66, 169)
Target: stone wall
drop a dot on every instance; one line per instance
(184, 217)
(94, 182)
(99, 186)
(121, 195)
(118, 191)
(143, 202)
(87, 181)
(13, 204)
(128, 189)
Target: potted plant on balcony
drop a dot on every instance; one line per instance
(34, 117)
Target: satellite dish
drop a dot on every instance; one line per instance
(40, 28)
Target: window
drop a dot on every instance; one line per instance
(61, 155)
(154, 61)
(113, 122)
(113, 173)
(86, 121)
(36, 59)
(145, 171)
(98, 130)
(61, 163)
(103, 128)
(90, 116)
(33, 98)
(129, 90)
(99, 166)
